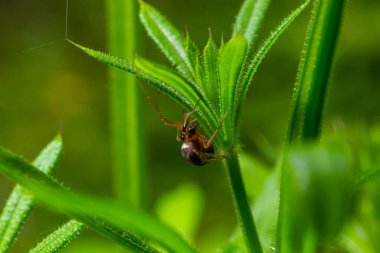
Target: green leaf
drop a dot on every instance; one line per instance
(259, 56)
(192, 53)
(315, 201)
(249, 19)
(314, 70)
(106, 217)
(181, 98)
(168, 77)
(166, 83)
(49, 157)
(123, 65)
(231, 61)
(168, 39)
(204, 114)
(196, 62)
(182, 209)
(60, 238)
(211, 74)
(20, 202)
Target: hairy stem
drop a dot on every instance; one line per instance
(309, 97)
(241, 204)
(314, 71)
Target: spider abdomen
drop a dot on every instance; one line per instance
(195, 153)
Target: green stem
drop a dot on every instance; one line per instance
(314, 71)
(241, 204)
(309, 96)
(127, 136)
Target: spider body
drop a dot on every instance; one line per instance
(196, 148)
(196, 154)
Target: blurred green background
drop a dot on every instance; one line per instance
(47, 85)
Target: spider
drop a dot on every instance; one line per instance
(196, 148)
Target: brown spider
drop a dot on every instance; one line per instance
(196, 148)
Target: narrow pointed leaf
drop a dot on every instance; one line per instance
(20, 202)
(167, 76)
(60, 238)
(196, 61)
(120, 64)
(261, 53)
(105, 217)
(170, 78)
(185, 95)
(231, 61)
(49, 157)
(211, 70)
(185, 99)
(249, 19)
(192, 52)
(314, 70)
(168, 39)
(200, 75)
(201, 81)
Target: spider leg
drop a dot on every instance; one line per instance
(188, 115)
(195, 106)
(209, 142)
(210, 156)
(167, 122)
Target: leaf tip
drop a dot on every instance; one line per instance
(75, 44)
(143, 5)
(71, 42)
(58, 137)
(187, 33)
(210, 34)
(240, 36)
(222, 41)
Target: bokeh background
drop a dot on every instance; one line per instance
(47, 85)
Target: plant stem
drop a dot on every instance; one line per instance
(242, 207)
(127, 137)
(309, 96)
(314, 71)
